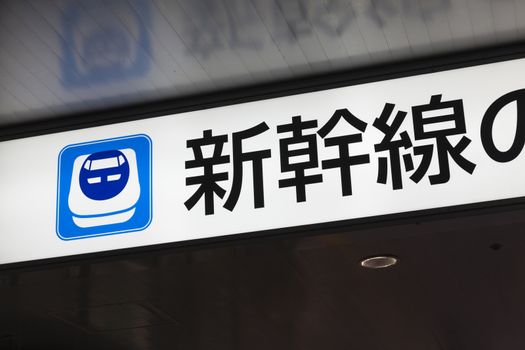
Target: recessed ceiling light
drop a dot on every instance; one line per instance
(379, 262)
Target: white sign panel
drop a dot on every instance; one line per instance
(422, 142)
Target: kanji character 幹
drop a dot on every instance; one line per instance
(299, 180)
(345, 160)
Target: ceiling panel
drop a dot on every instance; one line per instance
(62, 57)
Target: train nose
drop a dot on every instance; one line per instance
(104, 175)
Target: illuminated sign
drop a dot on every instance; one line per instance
(416, 143)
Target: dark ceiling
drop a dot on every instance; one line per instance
(459, 285)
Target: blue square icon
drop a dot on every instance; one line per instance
(104, 187)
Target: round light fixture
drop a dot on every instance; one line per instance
(379, 262)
